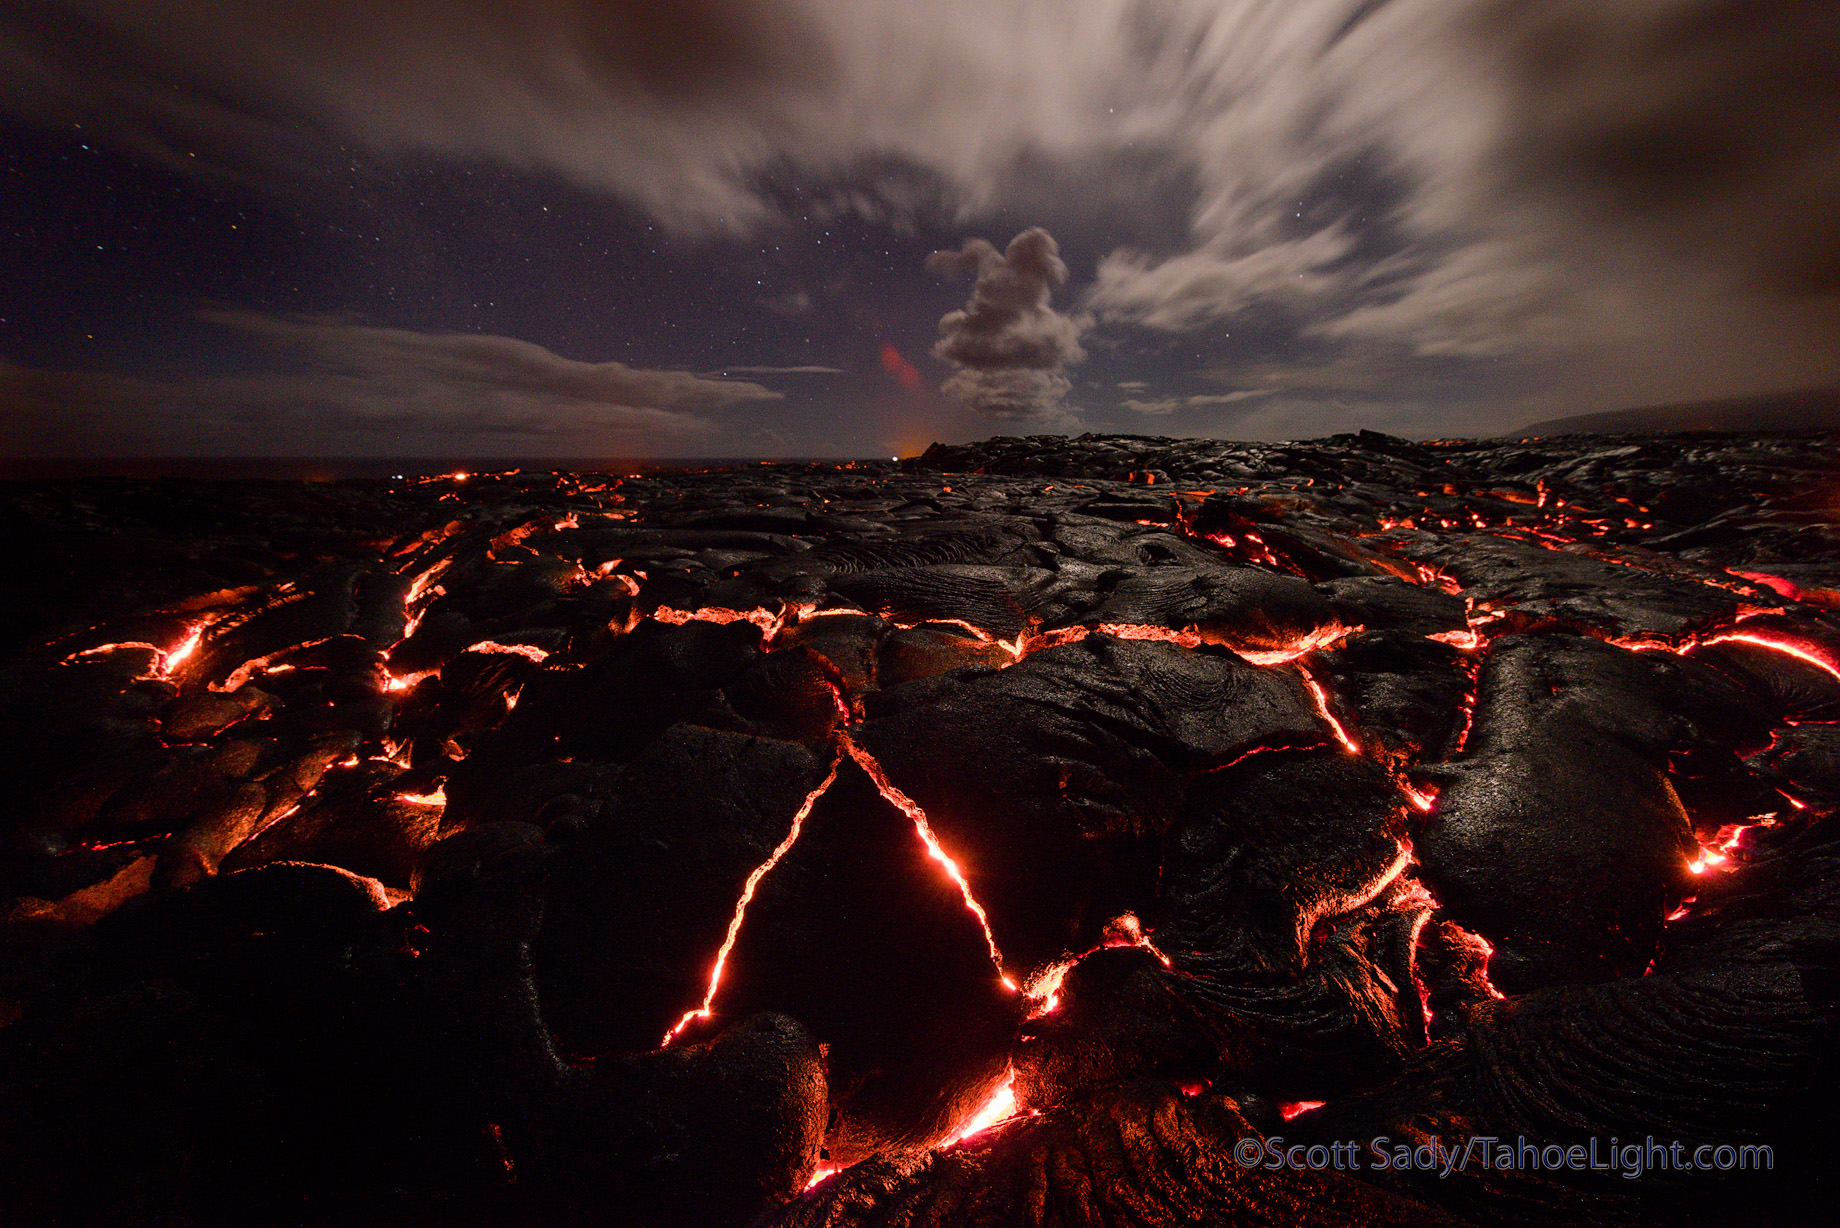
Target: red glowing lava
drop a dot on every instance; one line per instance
(1126, 930)
(1718, 854)
(1326, 636)
(423, 592)
(1249, 543)
(1801, 652)
(1469, 723)
(1422, 798)
(1323, 637)
(248, 669)
(1321, 697)
(1488, 953)
(909, 807)
(1299, 1107)
(747, 894)
(1000, 1106)
(769, 621)
(523, 650)
(180, 654)
(1044, 989)
(1804, 652)
(1015, 647)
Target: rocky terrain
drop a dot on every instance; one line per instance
(1032, 832)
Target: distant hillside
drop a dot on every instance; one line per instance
(1817, 410)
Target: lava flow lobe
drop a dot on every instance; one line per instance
(1014, 835)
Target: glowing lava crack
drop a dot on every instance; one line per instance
(747, 894)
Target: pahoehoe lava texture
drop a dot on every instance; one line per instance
(1016, 835)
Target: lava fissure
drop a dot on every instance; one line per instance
(707, 1007)
(909, 807)
(1320, 696)
(1643, 841)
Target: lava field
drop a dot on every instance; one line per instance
(1026, 833)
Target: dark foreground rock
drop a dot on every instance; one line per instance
(1100, 831)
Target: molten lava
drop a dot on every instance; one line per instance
(747, 895)
(1321, 697)
(1488, 953)
(769, 621)
(1422, 798)
(530, 651)
(909, 807)
(248, 669)
(1801, 651)
(1126, 930)
(182, 652)
(1000, 1106)
(1718, 854)
(1044, 989)
(1323, 637)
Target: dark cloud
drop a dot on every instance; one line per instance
(1632, 202)
(1711, 125)
(802, 370)
(657, 100)
(355, 385)
(1636, 196)
(1009, 346)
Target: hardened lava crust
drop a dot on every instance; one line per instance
(1036, 832)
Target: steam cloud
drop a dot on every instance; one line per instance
(1009, 345)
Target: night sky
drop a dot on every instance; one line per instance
(595, 228)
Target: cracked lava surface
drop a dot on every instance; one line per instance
(995, 838)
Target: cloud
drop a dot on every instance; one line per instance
(679, 107)
(1214, 282)
(1546, 178)
(791, 306)
(1631, 195)
(1009, 345)
(1169, 405)
(807, 370)
(350, 384)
